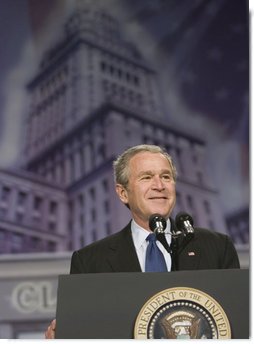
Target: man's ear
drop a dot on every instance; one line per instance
(122, 193)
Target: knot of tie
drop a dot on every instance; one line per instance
(155, 261)
(151, 237)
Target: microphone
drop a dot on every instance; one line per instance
(184, 224)
(182, 233)
(157, 223)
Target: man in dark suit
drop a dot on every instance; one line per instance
(145, 179)
(207, 250)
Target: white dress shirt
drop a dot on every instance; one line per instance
(139, 236)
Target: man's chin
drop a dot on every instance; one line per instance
(160, 211)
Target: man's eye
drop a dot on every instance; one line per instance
(146, 177)
(166, 176)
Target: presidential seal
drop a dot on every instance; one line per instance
(182, 313)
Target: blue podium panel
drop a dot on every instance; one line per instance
(181, 304)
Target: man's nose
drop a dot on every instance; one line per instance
(158, 183)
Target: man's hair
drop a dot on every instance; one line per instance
(121, 164)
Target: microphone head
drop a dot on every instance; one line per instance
(157, 223)
(181, 219)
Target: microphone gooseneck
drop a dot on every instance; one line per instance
(182, 234)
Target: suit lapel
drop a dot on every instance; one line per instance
(122, 254)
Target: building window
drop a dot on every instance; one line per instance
(103, 66)
(107, 228)
(82, 240)
(119, 73)
(168, 148)
(101, 151)
(179, 160)
(81, 201)
(19, 216)
(106, 207)
(6, 193)
(22, 197)
(35, 244)
(16, 243)
(105, 185)
(92, 194)
(71, 209)
(91, 153)
(136, 80)
(51, 246)
(179, 204)
(81, 220)
(93, 214)
(2, 241)
(145, 139)
(2, 235)
(195, 159)
(52, 226)
(53, 206)
(111, 69)
(94, 235)
(82, 161)
(72, 167)
(190, 202)
(207, 207)
(200, 178)
(37, 203)
(3, 212)
(62, 171)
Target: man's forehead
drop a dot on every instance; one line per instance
(146, 157)
(146, 162)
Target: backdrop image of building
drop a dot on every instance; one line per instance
(93, 96)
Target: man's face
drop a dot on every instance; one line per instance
(151, 188)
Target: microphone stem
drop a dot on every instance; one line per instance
(174, 253)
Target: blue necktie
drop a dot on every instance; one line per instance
(155, 261)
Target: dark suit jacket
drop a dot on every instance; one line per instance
(116, 253)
